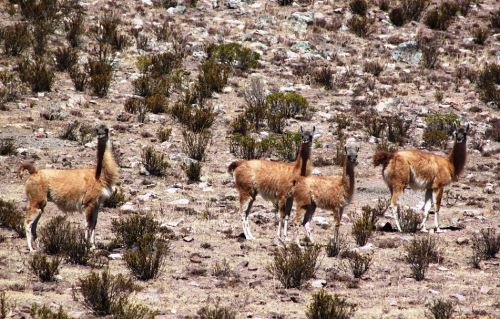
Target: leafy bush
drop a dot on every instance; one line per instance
(215, 312)
(196, 144)
(488, 80)
(154, 162)
(421, 251)
(101, 292)
(324, 306)
(7, 147)
(292, 266)
(486, 244)
(100, 74)
(289, 104)
(409, 220)
(440, 309)
(363, 226)
(38, 74)
(358, 263)
(66, 58)
(45, 269)
(234, 55)
(358, 7)
(439, 125)
(147, 259)
(79, 78)
(361, 26)
(74, 29)
(193, 170)
(46, 313)
(54, 235)
(335, 247)
(11, 217)
(16, 38)
(440, 17)
(130, 230)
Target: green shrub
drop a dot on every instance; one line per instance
(336, 246)
(147, 259)
(358, 263)
(38, 74)
(65, 58)
(487, 82)
(196, 144)
(11, 217)
(486, 244)
(100, 74)
(421, 251)
(46, 313)
(16, 38)
(440, 309)
(324, 306)
(130, 230)
(363, 226)
(215, 312)
(45, 269)
(288, 145)
(54, 235)
(359, 7)
(289, 104)
(234, 55)
(439, 125)
(247, 147)
(193, 170)
(212, 77)
(125, 310)
(101, 292)
(154, 162)
(77, 249)
(361, 26)
(276, 122)
(292, 266)
(409, 220)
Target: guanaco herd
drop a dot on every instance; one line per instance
(282, 183)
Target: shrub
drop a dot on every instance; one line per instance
(324, 77)
(247, 147)
(163, 133)
(488, 80)
(361, 26)
(10, 88)
(45, 269)
(335, 247)
(288, 145)
(147, 259)
(70, 132)
(358, 263)
(324, 306)
(439, 125)
(234, 55)
(154, 162)
(486, 244)
(480, 35)
(66, 58)
(358, 7)
(38, 74)
(196, 144)
(125, 310)
(495, 19)
(255, 99)
(373, 67)
(413, 8)
(398, 127)
(397, 16)
(102, 291)
(107, 32)
(363, 226)
(45, 313)
(409, 220)
(221, 269)
(340, 151)
(130, 230)
(384, 5)
(4, 305)
(440, 309)
(285, 2)
(212, 77)
(293, 266)
(77, 249)
(116, 199)
(162, 63)
(201, 118)
(74, 29)
(134, 105)
(240, 125)
(430, 53)
(289, 104)
(157, 103)
(216, 311)
(54, 235)
(7, 147)
(16, 38)
(421, 251)
(11, 217)
(440, 17)
(79, 79)
(193, 170)
(100, 74)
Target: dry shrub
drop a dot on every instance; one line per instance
(154, 162)
(147, 259)
(45, 269)
(65, 58)
(216, 311)
(363, 226)
(324, 76)
(156, 103)
(420, 252)
(46, 313)
(125, 310)
(359, 7)
(10, 88)
(440, 309)
(486, 244)
(77, 249)
(134, 105)
(107, 32)
(247, 147)
(430, 50)
(116, 199)
(16, 38)
(480, 34)
(384, 5)
(413, 8)
(292, 266)
(212, 77)
(100, 74)
(373, 67)
(196, 144)
(74, 29)
(255, 99)
(38, 74)
(54, 235)
(439, 126)
(7, 147)
(409, 220)
(163, 133)
(361, 26)
(11, 217)
(398, 127)
(221, 269)
(79, 78)
(324, 306)
(487, 82)
(397, 16)
(101, 292)
(193, 170)
(441, 17)
(130, 230)
(358, 263)
(495, 19)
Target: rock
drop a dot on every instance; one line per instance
(461, 298)
(318, 283)
(146, 197)
(180, 9)
(316, 171)
(489, 188)
(53, 112)
(301, 47)
(255, 283)
(384, 227)
(137, 23)
(264, 21)
(407, 52)
(127, 207)
(320, 221)
(302, 17)
(462, 240)
(115, 256)
(195, 258)
(233, 4)
(182, 201)
(22, 151)
(188, 239)
(147, 2)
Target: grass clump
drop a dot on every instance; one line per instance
(125, 310)
(359, 7)
(11, 217)
(485, 245)
(16, 38)
(364, 226)
(409, 220)
(79, 78)
(361, 26)
(420, 252)
(292, 266)
(54, 235)
(101, 292)
(324, 306)
(163, 133)
(221, 269)
(107, 32)
(74, 28)
(487, 82)
(440, 309)
(44, 268)
(147, 259)
(45, 312)
(480, 34)
(37, 73)
(116, 199)
(215, 312)
(373, 67)
(65, 58)
(130, 230)
(439, 125)
(154, 162)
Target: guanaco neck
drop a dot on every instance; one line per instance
(348, 178)
(106, 169)
(457, 158)
(303, 160)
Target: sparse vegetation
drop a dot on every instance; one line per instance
(45, 312)
(147, 259)
(65, 58)
(216, 311)
(11, 217)
(37, 73)
(193, 170)
(359, 7)
(485, 245)
(196, 144)
(324, 305)
(16, 38)
(130, 230)
(154, 162)
(221, 269)
(440, 309)
(440, 17)
(439, 126)
(421, 251)
(488, 80)
(361, 26)
(44, 268)
(163, 133)
(292, 266)
(409, 220)
(358, 264)
(100, 74)
(363, 226)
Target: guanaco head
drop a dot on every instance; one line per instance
(307, 136)
(460, 134)
(351, 153)
(102, 132)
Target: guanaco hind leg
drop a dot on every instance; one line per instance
(426, 208)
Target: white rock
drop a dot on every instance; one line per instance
(316, 171)
(127, 207)
(320, 221)
(115, 256)
(172, 190)
(182, 201)
(318, 283)
(146, 197)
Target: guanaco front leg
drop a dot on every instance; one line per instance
(438, 196)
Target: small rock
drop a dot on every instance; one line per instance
(320, 221)
(182, 201)
(255, 283)
(195, 258)
(318, 283)
(489, 188)
(462, 240)
(115, 256)
(233, 4)
(188, 239)
(408, 52)
(127, 207)
(461, 298)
